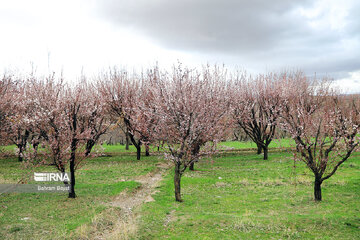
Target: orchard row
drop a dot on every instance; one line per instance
(187, 110)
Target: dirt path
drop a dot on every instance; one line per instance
(125, 226)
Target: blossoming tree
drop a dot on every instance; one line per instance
(69, 117)
(256, 107)
(127, 101)
(324, 125)
(190, 107)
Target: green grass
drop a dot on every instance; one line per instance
(237, 145)
(106, 148)
(8, 148)
(231, 196)
(245, 197)
(53, 215)
(118, 148)
(229, 145)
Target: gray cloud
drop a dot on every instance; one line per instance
(258, 33)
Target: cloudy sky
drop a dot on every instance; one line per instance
(321, 37)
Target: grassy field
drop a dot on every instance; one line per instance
(231, 196)
(52, 215)
(236, 145)
(229, 145)
(245, 197)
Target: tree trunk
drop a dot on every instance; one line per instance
(127, 141)
(72, 160)
(20, 154)
(147, 153)
(177, 178)
(191, 166)
(138, 152)
(137, 145)
(89, 145)
(195, 151)
(317, 189)
(72, 179)
(259, 149)
(22, 145)
(266, 150)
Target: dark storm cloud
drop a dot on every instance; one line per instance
(259, 32)
(229, 26)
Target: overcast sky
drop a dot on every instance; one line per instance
(321, 37)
